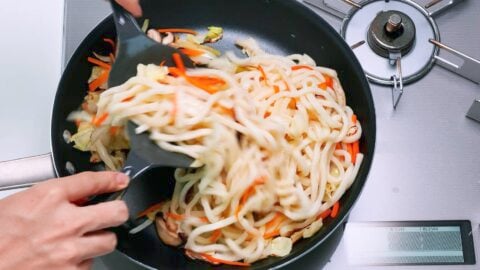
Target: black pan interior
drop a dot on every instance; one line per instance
(280, 27)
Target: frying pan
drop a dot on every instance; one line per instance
(280, 27)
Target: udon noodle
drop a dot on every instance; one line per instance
(270, 143)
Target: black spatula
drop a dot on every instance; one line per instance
(134, 48)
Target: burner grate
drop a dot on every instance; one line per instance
(397, 41)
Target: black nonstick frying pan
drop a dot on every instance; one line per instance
(280, 27)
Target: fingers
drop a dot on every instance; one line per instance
(97, 244)
(133, 6)
(80, 186)
(103, 215)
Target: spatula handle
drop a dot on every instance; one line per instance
(125, 23)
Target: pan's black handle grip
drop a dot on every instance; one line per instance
(125, 23)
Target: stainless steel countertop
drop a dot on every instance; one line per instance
(426, 165)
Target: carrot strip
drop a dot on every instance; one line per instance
(175, 72)
(215, 235)
(271, 234)
(98, 63)
(153, 208)
(262, 71)
(98, 121)
(335, 209)
(191, 52)
(325, 214)
(113, 130)
(298, 67)
(354, 119)
(286, 85)
(214, 260)
(177, 30)
(328, 80)
(177, 59)
(203, 219)
(95, 84)
(338, 146)
(248, 192)
(174, 216)
(292, 104)
(327, 83)
(110, 41)
(128, 99)
(276, 89)
(207, 85)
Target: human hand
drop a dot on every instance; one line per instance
(133, 6)
(42, 227)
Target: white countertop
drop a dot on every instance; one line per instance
(30, 57)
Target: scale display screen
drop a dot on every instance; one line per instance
(410, 243)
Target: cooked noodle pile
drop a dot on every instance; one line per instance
(271, 143)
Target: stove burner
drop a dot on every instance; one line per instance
(411, 49)
(391, 32)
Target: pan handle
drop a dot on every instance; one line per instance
(25, 172)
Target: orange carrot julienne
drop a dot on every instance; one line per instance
(292, 104)
(213, 260)
(113, 130)
(271, 234)
(327, 83)
(153, 208)
(298, 67)
(177, 30)
(98, 63)
(248, 192)
(338, 146)
(210, 86)
(176, 217)
(335, 209)
(175, 72)
(191, 52)
(325, 214)
(203, 219)
(177, 59)
(276, 89)
(215, 235)
(98, 121)
(354, 119)
(128, 99)
(286, 85)
(95, 84)
(262, 71)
